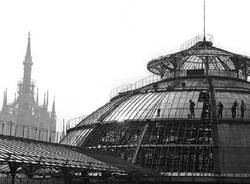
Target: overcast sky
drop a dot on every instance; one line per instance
(83, 49)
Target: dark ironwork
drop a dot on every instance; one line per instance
(153, 125)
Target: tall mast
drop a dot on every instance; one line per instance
(204, 20)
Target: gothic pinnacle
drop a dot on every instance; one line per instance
(28, 51)
(5, 98)
(37, 96)
(53, 112)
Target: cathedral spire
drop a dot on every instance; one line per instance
(4, 101)
(47, 100)
(53, 107)
(63, 130)
(5, 98)
(27, 70)
(37, 96)
(15, 97)
(53, 112)
(28, 51)
(44, 100)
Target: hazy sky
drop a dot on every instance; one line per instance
(82, 49)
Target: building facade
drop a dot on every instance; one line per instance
(194, 121)
(24, 116)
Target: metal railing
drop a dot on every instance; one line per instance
(24, 131)
(129, 87)
(206, 174)
(200, 113)
(71, 123)
(227, 114)
(181, 113)
(190, 43)
(223, 73)
(155, 78)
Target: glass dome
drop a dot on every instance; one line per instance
(201, 59)
(156, 126)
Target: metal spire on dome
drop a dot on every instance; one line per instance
(204, 20)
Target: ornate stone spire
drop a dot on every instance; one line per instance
(63, 130)
(28, 51)
(27, 69)
(44, 101)
(47, 100)
(53, 112)
(4, 108)
(37, 96)
(5, 98)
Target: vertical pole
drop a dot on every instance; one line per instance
(204, 21)
(48, 135)
(38, 134)
(28, 132)
(214, 121)
(23, 131)
(2, 127)
(16, 130)
(10, 127)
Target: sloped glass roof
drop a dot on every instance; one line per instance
(155, 126)
(203, 55)
(44, 154)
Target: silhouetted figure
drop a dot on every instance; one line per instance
(155, 86)
(158, 112)
(233, 109)
(220, 109)
(191, 108)
(242, 109)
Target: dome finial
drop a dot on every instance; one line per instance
(204, 20)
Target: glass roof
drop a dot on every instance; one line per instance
(167, 99)
(44, 154)
(147, 106)
(169, 125)
(95, 116)
(204, 56)
(146, 101)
